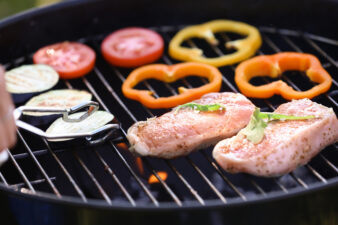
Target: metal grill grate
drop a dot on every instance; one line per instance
(110, 174)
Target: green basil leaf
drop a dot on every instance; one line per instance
(275, 116)
(254, 131)
(201, 108)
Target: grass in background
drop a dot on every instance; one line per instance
(10, 7)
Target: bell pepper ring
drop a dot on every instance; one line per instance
(171, 73)
(273, 66)
(245, 47)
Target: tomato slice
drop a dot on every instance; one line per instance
(69, 59)
(131, 47)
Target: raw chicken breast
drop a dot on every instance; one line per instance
(179, 133)
(286, 144)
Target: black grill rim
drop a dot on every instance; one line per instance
(92, 203)
(100, 204)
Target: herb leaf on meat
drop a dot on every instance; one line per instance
(200, 107)
(254, 131)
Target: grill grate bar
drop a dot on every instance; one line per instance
(25, 154)
(65, 171)
(69, 86)
(92, 177)
(206, 179)
(316, 173)
(3, 179)
(145, 189)
(270, 43)
(34, 182)
(294, 33)
(281, 186)
(321, 51)
(223, 176)
(321, 39)
(163, 183)
(116, 179)
(300, 181)
(254, 183)
(92, 90)
(37, 163)
(320, 177)
(36, 153)
(329, 163)
(22, 174)
(186, 183)
(112, 92)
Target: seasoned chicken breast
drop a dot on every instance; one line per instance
(178, 133)
(286, 144)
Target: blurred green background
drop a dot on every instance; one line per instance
(10, 7)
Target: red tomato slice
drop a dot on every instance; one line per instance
(69, 59)
(131, 47)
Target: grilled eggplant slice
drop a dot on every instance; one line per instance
(93, 122)
(25, 81)
(59, 99)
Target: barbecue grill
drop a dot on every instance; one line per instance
(75, 183)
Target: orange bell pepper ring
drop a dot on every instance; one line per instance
(171, 73)
(245, 47)
(273, 66)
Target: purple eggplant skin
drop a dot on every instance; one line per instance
(26, 81)
(39, 121)
(50, 99)
(20, 99)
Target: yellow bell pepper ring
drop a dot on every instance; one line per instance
(246, 47)
(171, 73)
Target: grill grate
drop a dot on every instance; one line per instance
(112, 175)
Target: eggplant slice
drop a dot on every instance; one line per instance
(25, 81)
(93, 122)
(59, 99)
